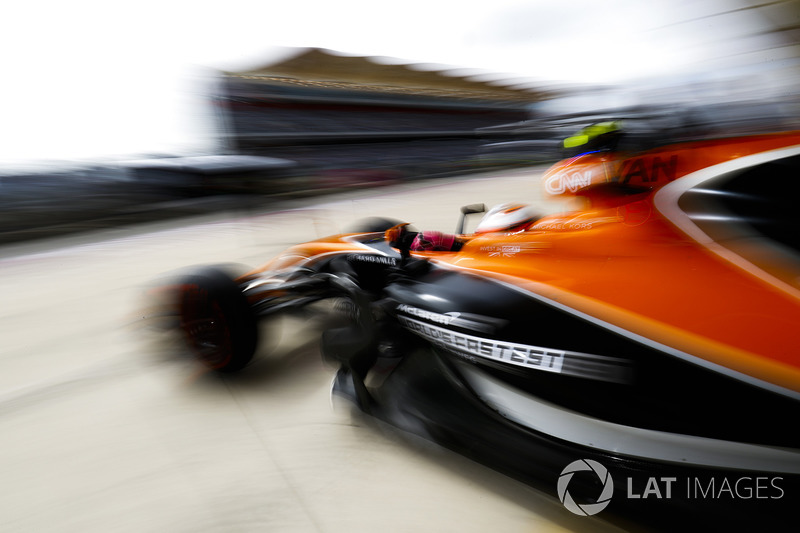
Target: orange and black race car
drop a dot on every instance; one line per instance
(650, 335)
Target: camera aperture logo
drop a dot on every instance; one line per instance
(585, 509)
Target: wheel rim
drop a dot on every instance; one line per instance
(206, 330)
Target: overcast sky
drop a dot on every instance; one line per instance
(100, 77)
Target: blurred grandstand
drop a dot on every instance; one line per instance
(337, 115)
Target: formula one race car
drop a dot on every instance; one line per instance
(647, 339)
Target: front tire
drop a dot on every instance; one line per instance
(218, 323)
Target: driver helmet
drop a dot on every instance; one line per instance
(603, 136)
(508, 217)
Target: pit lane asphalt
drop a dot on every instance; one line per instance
(103, 428)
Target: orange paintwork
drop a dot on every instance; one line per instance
(300, 253)
(620, 260)
(657, 167)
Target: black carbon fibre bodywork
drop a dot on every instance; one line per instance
(625, 380)
(426, 395)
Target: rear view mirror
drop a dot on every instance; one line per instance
(466, 210)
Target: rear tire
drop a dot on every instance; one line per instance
(218, 323)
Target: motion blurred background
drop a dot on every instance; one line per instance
(129, 110)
